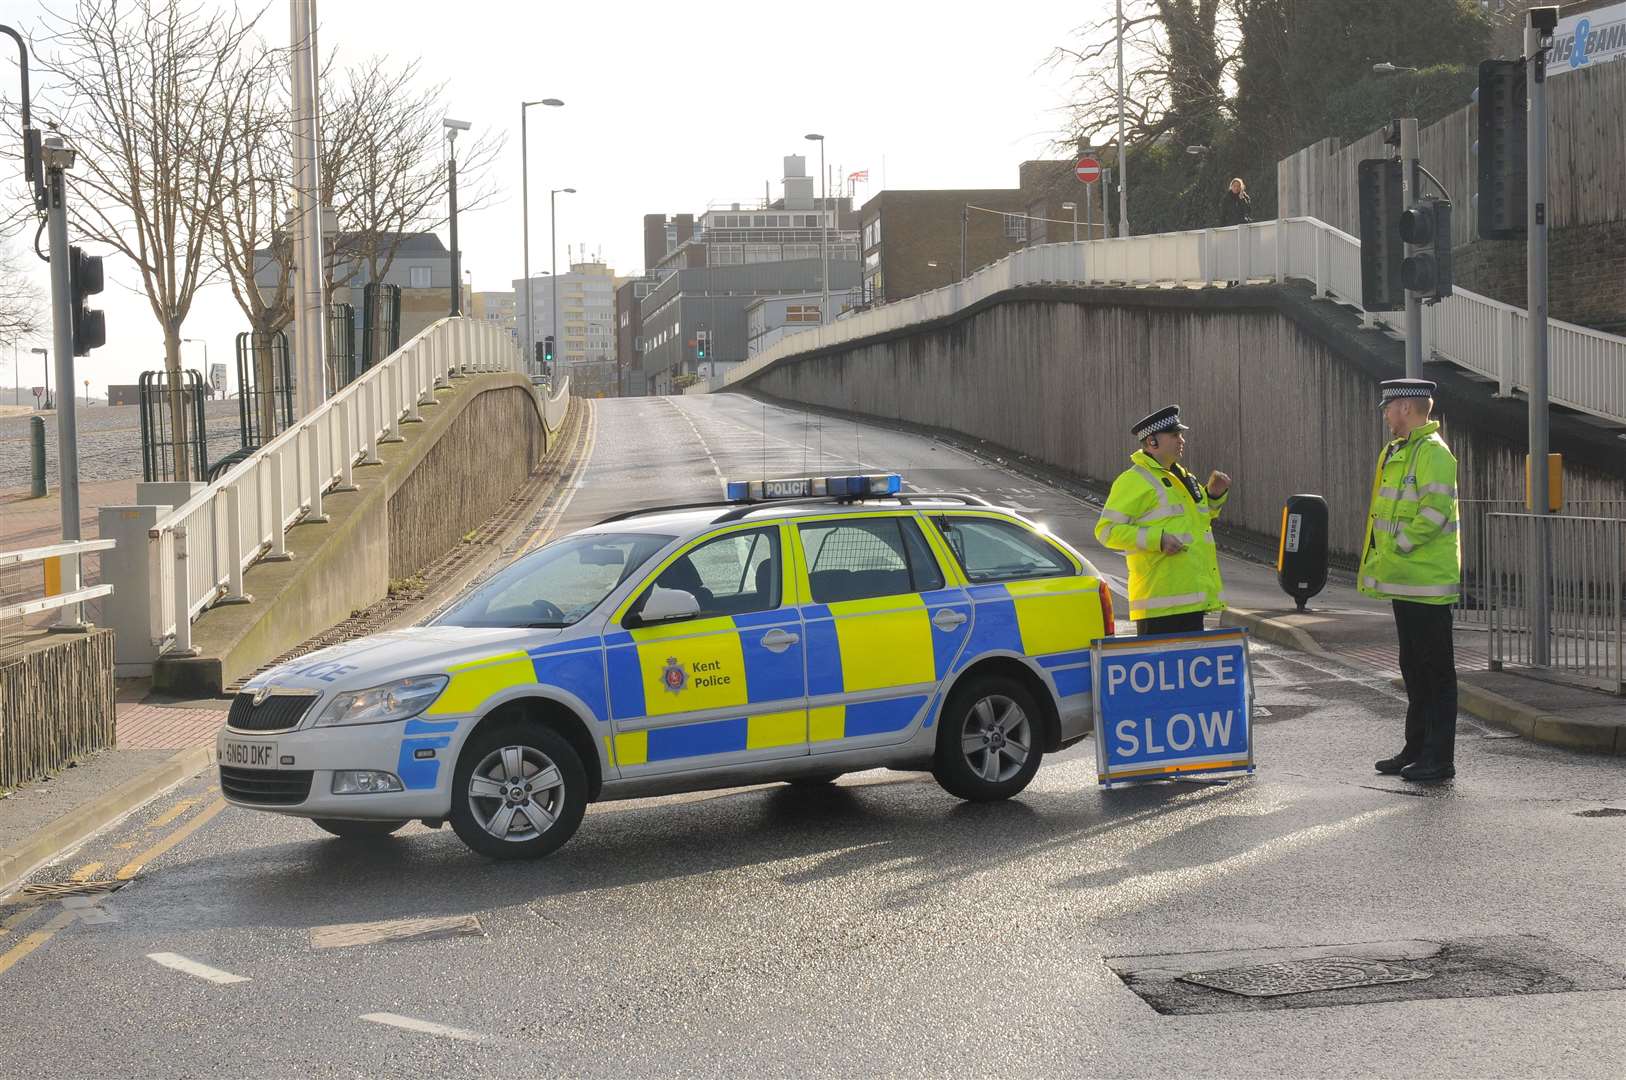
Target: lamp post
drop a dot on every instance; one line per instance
(205, 343)
(965, 214)
(525, 215)
(1123, 159)
(87, 391)
(1073, 206)
(452, 128)
(553, 272)
(824, 228)
(44, 355)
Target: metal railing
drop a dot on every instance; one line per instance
(73, 592)
(1588, 367)
(1579, 563)
(1473, 609)
(197, 553)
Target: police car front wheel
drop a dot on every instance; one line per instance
(519, 792)
(988, 747)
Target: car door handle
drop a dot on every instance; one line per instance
(779, 640)
(947, 619)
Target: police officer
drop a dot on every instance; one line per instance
(1412, 557)
(1162, 517)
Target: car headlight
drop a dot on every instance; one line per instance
(393, 701)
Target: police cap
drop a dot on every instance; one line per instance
(1165, 419)
(1393, 389)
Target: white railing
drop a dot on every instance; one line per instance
(1587, 367)
(73, 592)
(555, 406)
(197, 553)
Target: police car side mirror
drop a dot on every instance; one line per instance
(664, 605)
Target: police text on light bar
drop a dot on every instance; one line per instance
(813, 487)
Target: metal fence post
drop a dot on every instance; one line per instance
(234, 545)
(409, 373)
(183, 597)
(347, 445)
(310, 435)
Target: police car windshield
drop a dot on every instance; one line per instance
(558, 585)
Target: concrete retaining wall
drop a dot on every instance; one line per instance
(1280, 391)
(442, 480)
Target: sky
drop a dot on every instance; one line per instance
(669, 107)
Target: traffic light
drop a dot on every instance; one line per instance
(1427, 224)
(702, 344)
(1503, 175)
(1379, 190)
(85, 279)
(547, 349)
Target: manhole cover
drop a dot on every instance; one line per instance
(1306, 976)
(72, 888)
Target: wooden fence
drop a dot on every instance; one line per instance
(1586, 175)
(56, 701)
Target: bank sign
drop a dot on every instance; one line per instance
(1174, 705)
(1589, 38)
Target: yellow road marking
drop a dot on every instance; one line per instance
(17, 918)
(36, 939)
(172, 813)
(133, 867)
(126, 846)
(85, 872)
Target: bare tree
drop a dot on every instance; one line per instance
(151, 94)
(1178, 55)
(383, 166)
(22, 303)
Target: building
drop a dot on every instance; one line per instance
(713, 301)
(629, 334)
(914, 241)
(586, 312)
(421, 267)
(770, 318)
(496, 307)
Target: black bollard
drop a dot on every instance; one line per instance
(36, 429)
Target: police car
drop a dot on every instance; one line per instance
(799, 630)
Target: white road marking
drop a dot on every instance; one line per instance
(177, 962)
(426, 1027)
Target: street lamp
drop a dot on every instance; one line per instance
(44, 355)
(824, 228)
(87, 392)
(452, 128)
(1073, 206)
(525, 214)
(553, 256)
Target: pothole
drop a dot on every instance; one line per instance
(1604, 811)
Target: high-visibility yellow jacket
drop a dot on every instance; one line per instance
(1147, 501)
(1412, 549)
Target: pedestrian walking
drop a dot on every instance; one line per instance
(1162, 518)
(1412, 557)
(1236, 208)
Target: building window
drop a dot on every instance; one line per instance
(802, 313)
(872, 233)
(420, 277)
(1016, 227)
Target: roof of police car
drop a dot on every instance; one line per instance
(687, 520)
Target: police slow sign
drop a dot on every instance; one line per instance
(1169, 706)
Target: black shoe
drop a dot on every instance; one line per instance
(1391, 765)
(1425, 770)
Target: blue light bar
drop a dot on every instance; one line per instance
(812, 487)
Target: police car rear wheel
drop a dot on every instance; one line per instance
(355, 830)
(519, 792)
(988, 748)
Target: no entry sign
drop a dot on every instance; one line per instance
(1088, 170)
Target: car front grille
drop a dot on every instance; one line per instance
(268, 787)
(278, 712)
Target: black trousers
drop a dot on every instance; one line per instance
(1428, 663)
(1170, 624)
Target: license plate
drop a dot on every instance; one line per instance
(249, 755)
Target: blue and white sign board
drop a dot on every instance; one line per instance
(1591, 37)
(1172, 704)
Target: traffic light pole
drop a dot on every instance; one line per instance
(67, 430)
(1410, 189)
(1536, 334)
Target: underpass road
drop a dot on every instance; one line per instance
(875, 926)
